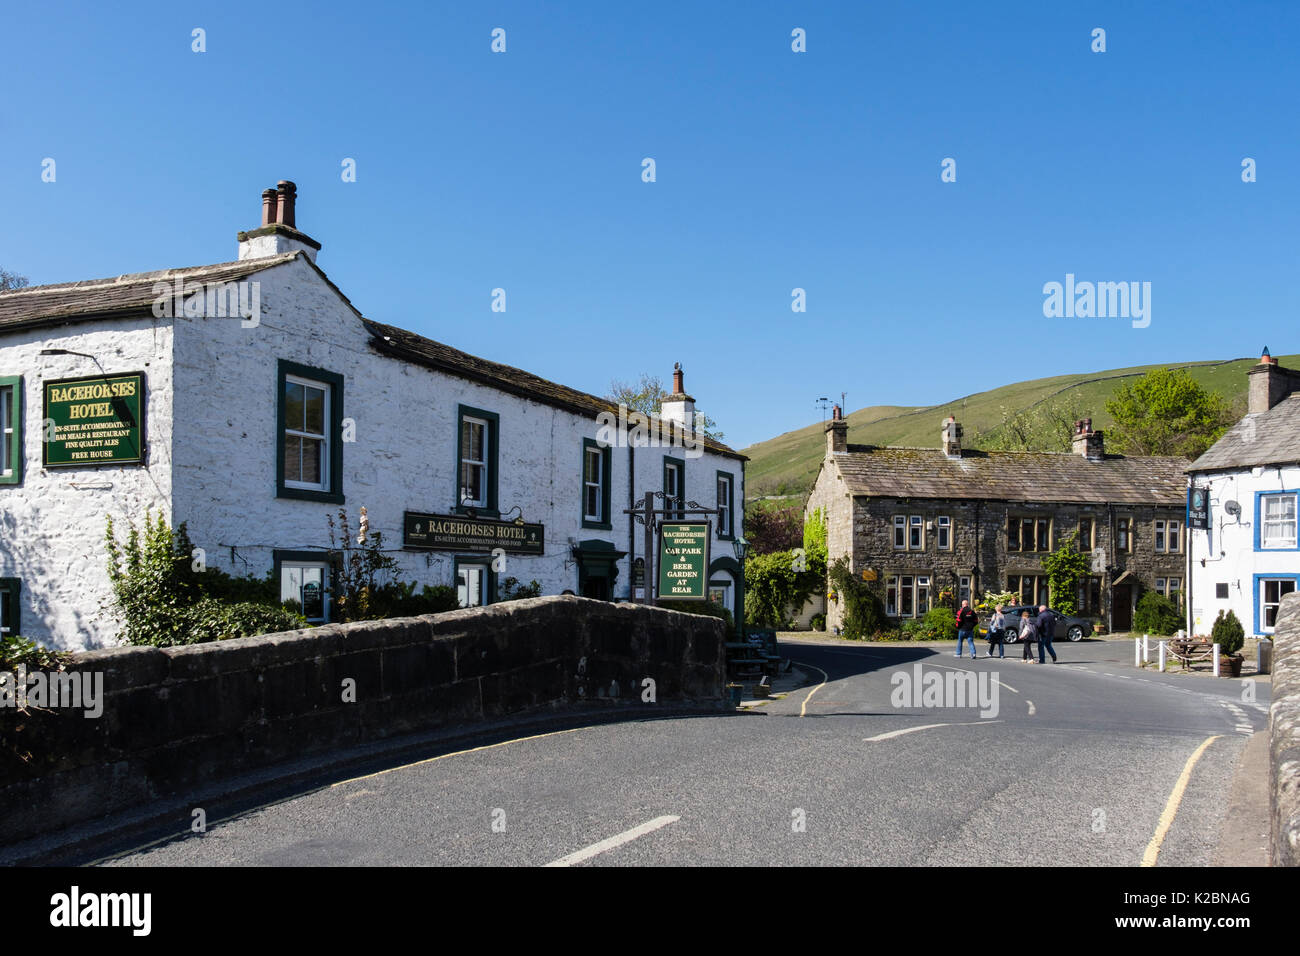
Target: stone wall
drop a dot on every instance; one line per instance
(1284, 738)
(175, 718)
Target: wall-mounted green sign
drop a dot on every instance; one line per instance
(684, 560)
(95, 421)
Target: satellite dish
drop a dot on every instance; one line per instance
(1232, 508)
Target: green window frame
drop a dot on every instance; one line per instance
(11, 430)
(491, 458)
(680, 496)
(332, 561)
(729, 505)
(489, 576)
(605, 521)
(332, 494)
(11, 620)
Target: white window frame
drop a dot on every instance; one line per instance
(724, 504)
(963, 589)
(1267, 543)
(462, 590)
(727, 589)
(1124, 538)
(891, 595)
(588, 485)
(1160, 537)
(6, 431)
(324, 439)
(1264, 605)
(465, 500)
(916, 529)
(324, 568)
(900, 532)
(943, 532)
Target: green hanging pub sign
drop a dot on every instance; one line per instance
(94, 421)
(684, 560)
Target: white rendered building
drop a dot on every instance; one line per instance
(251, 400)
(1248, 558)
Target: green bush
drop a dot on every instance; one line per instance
(864, 613)
(400, 600)
(512, 590)
(1156, 614)
(707, 608)
(774, 584)
(941, 624)
(14, 651)
(213, 620)
(818, 622)
(1228, 633)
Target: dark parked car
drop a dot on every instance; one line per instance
(1069, 628)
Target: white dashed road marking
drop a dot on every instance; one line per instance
(912, 730)
(627, 836)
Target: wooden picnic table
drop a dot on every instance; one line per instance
(1189, 649)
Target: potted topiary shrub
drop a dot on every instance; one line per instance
(1230, 636)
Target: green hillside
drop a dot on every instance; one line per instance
(787, 464)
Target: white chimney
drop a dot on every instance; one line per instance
(277, 233)
(678, 407)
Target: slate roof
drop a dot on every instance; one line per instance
(133, 295)
(1265, 438)
(114, 297)
(416, 348)
(1012, 476)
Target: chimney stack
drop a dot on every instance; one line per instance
(1269, 383)
(279, 231)
(837, 432)
(1088, 443)
(951, 436)
(678, 407)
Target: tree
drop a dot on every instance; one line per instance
(10, 281)
(1045, 426)
(1167, 412)
(646, 396)
(770, 528)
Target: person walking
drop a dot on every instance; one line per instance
(1028, 634)
(997, 629)
(966, 624)
(1046, 631)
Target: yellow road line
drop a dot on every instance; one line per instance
(1171, 807)
(803, 711)
(341, 783)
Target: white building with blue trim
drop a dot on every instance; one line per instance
(1247, 486)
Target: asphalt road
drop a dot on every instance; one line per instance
(1077, 766)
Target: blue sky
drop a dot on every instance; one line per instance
(775, 170)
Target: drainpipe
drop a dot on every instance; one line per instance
(631, 521)
(975, 571)
(1110, 589)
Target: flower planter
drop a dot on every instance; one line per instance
(1230, 666)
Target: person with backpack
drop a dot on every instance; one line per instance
(997, 629)
(1028, 634)
(1046, 632)
(967, 621)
